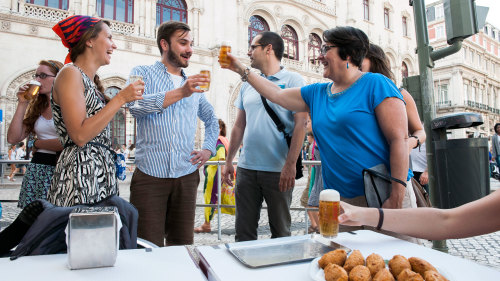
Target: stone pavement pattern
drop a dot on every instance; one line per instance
(483, 249)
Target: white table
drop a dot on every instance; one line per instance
(170, 263)
(219, 264)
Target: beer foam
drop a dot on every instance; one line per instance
(329, 195)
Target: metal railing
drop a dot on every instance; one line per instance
(218, 205)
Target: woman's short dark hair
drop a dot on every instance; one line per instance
(379, 62)
(496, 126)
(273, 38)
(351, 42)
(168, 28)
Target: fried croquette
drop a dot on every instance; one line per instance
(360, 273)
(383, 275)
(374, 262)
(397, 264)
(354, 259)
(409, 275)
(431, 275)
(335, 272)
(337, 257)
(420, 266)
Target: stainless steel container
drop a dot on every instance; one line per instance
(92, 237)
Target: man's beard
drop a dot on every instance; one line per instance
(175, 60)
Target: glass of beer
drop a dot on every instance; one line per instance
(329, 209)
(32, 91)
(132, 79)
(205, 86)
(225, 47)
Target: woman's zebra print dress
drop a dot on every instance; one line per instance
(85, 174)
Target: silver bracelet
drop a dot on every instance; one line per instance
(244, 77)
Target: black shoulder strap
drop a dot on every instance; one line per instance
(273, 116)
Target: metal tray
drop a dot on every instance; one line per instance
(282, 250)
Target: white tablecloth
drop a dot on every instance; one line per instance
(223, 266)
(170, 263)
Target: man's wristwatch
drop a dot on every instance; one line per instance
(244, 76)
(418, 141)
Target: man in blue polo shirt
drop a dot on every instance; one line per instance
(266, 167)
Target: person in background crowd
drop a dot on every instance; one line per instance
(210, 189)
(495, 144)
(33, 120)
(377, 62)
(12, 156)
(21, 155)
(164, 184)
(359, 119)
(85, 172)
(267, 165)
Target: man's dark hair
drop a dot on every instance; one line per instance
(21, 144)
(273, 38)
(496, 126)
(168, 28)
(351, 42)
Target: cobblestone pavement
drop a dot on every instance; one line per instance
(483, 249)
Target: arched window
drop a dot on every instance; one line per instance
(257, 25)
(171, 10)
(404, 70)
(119, 10)
(314, 48)
(291, 42)
(58, 4)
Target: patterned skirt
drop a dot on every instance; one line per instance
(36, 183)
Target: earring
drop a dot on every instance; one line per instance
(347, 65)
(90, 46)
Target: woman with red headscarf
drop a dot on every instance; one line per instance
(85, 172)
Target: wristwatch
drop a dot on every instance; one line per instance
(244, 76)
(418, 141)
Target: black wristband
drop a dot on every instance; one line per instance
(380, 218)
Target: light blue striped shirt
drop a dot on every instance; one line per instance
(166, 136)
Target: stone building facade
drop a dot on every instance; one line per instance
(25, 29)
(469, 80)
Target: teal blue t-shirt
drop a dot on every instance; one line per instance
(264, 147)
(346, 129)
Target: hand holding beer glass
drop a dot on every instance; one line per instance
(132, 79)
(205, 86)
(225, 47)
(329, 209)
(32, 91)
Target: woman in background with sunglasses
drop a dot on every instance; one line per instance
(33, 120)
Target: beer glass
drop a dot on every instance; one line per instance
(32, 91)
(205, 86)
(329, 209)
(132, 79)
(225, 48)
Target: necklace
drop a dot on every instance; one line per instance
(333, 95)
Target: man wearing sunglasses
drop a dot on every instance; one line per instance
(266, 167)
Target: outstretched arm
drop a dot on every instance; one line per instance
(475, 218)
(290, 98)
(234, 144)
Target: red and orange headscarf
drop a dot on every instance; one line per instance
(71, 30)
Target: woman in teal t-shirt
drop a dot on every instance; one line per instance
(359, 119)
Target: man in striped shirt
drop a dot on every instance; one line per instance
(165, 182)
